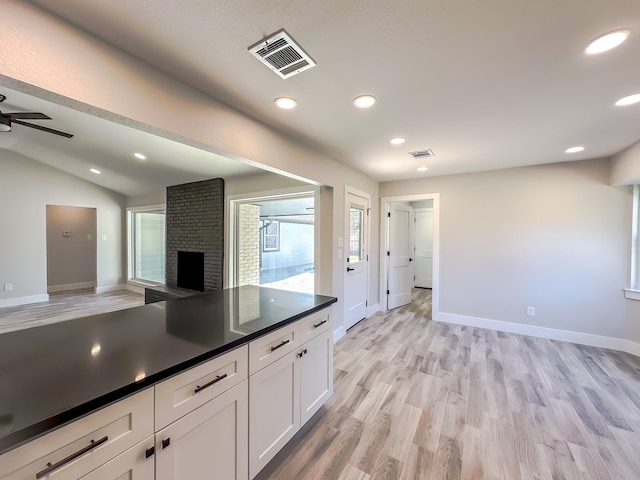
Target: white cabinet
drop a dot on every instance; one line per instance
(274, 410)
(78, 448)
(284, 394)
(137, 463)
(316, 375)
(223, 419)
(210, 442)
(183, 393)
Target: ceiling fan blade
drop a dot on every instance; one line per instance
(29, 115)
(44, 129)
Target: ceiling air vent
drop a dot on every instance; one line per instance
(282, 55)
(422, 153)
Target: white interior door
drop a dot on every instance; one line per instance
(423, 247)
(356, 278)
(400, 270)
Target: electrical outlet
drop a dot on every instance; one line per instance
(8, 287)
(531, 311)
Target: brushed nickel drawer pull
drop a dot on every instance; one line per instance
(215, 380)
(284, 342)
(54, 466)
(316, 325)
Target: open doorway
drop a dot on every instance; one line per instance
(71, 248)
(409, 258)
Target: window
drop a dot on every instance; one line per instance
(633, 291)
(271, 236)
(273, 241)
(146, 256)
(356, 234)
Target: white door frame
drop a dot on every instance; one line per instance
(384, 232)
(359, 193)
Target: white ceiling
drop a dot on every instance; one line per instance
(485, 84)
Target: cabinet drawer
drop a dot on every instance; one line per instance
(189, 390)
(137, 463)
(76, 449)
(313, 325)
(273, 346)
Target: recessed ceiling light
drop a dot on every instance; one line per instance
(607, 42)
(422, 169)
(574, 150)
(364, 101)
(96, 171)
(140, 156)
(398, 140)
(628, 100)
(285, 103)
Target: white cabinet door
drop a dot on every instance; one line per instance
(137, 463)
(210, 442)
(316, 375)
(274, 409)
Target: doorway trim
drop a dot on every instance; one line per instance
(384, 236)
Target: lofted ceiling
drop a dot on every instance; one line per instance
(485, 84)
(93, 146)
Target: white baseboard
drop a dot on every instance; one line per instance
(373, 309)
(542, 332)
(111, 288)
(338, 333)
(14, 302)
(135, 288)
(70, 286)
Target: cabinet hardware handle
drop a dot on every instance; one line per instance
(54, 466)
(349, 269)
(316, 325)
(302, 353)
(166, 442)
(215, 380)
(284, 342)
(149, 451)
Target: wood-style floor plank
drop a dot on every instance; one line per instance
(421, 400)
(66, 306)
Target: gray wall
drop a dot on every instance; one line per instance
(26, 187)
(554, 236)
(71, 246)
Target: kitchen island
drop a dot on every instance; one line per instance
(56, 376)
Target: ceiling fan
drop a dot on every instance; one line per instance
(7, 119)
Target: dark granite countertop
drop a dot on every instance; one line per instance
(54, 374)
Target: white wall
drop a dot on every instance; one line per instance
(625, 168)
(26, 187)
(552, 236)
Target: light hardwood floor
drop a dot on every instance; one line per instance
(66, 306)
(416, 399)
